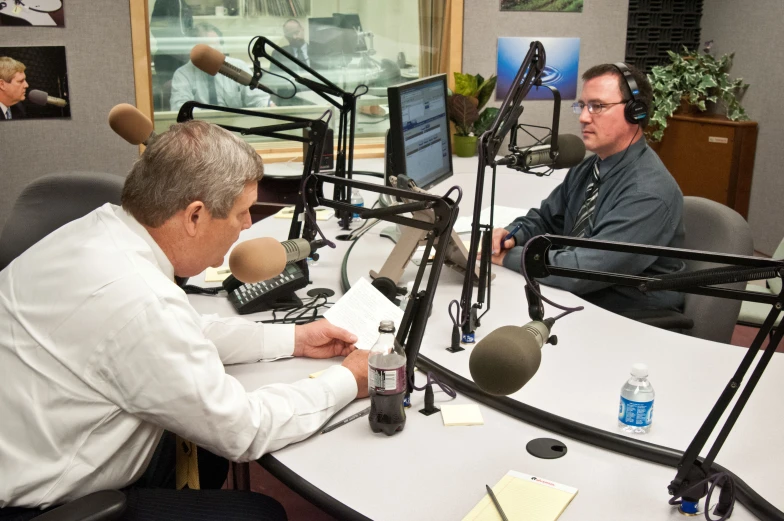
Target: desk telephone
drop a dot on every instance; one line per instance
(271, 293)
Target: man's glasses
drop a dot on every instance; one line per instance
(593, 106)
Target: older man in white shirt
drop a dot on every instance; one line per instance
(100, 350)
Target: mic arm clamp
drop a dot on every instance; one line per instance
(738, 268)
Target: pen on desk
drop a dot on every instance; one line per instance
(511, 234)
(344, 421)
(496, 503)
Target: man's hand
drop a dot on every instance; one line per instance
(357, 363)
(323, 340)
(499, 252)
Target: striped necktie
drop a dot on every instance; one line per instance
(8, 113)
(584, 217)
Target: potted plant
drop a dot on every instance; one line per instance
(472, 92)
(690, 80)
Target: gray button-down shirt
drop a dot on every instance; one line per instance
(639, 202)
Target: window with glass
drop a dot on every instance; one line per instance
(351, 43)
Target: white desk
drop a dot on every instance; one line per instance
(433, 472)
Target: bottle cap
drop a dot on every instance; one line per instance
(640, 370)
(386, 326)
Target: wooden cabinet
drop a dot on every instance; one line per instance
(711, 157)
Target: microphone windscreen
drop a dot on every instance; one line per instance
(207, 59)
(38, 97)
(571, 151)
(504, 361)
(130, 124)
(257, 259)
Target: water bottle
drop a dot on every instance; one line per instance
(387, 382)
(636, 408)
(356, 200)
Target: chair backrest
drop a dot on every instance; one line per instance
(51, 201)
(775, 283)
(711, 226)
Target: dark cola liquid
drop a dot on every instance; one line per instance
(387, 413)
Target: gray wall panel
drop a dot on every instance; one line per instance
(752, 30)
(601, 28)
(97, 40)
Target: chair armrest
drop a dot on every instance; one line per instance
(662, 319)
(104, 505)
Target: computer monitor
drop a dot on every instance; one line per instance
(418, 144)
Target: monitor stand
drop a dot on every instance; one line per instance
(392, 233)
(410, 239)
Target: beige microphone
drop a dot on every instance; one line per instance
(213, 62)
(130, 124)
(261, 259)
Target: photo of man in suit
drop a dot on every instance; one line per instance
(13, 87)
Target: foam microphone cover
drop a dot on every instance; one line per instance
(207, 59)
(38, 97)
(571, 151)
(130, 124)
(257, 259)
(504, 361)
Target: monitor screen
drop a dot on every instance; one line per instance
(418, 144)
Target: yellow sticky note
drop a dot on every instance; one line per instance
(461, 415)
(217, 274)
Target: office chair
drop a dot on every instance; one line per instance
(753, 313)
(52, 201)
(43, 206)
(710, 226)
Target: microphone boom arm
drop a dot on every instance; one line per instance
(691, 468)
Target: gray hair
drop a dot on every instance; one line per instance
(193, 161)
(9, 68)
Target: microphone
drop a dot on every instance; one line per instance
(213, 62)
(506, 359)
(39, 97)
(130, 124)
(261, 259)
(571, 150)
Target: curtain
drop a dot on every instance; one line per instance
(434, 16)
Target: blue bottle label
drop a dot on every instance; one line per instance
(636, 414)
(356, 215)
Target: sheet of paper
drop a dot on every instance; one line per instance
(524, 497)
(322, 214)
(503, 215)
(217, 274)
(361, 310)
(461, 415)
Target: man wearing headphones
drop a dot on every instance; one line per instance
(191, 84)
(622, 193)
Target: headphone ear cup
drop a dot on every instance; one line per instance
(636, 113)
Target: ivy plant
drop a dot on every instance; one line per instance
(693, 78)
(471, 94)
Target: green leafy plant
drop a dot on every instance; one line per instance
(693, 78)
(472, 92)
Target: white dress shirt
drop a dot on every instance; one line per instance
(192, 84)
(100, 352)
(4, 111)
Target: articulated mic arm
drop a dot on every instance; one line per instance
(692, 471)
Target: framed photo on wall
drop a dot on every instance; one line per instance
(43, 13)
(563, 59)
(33, 83)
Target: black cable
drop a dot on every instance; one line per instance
(190, 289)
(714, 480)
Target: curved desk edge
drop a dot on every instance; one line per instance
(308, 491)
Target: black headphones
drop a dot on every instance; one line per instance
(635, 111)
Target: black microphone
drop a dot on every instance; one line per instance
(506, 359)
(571, 151)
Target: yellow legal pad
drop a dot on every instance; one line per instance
(524, 497)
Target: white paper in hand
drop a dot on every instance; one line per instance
(361, 310)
